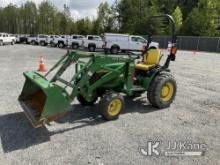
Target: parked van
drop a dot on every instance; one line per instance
(116, 43)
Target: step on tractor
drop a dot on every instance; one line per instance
(99, 76)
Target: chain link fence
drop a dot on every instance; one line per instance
(209, 44)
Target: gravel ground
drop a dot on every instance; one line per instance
(83, 137)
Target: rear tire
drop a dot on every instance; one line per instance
(111, 105)
(114, 50)
(33, 43)
(1, 43)
(84, 102)
(162, 90)
(13, 42)
(52, 44)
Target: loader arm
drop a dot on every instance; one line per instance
(45, 100)
(89, 90)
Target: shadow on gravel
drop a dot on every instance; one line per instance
(16, 132)
(91, 114)
(82, 116)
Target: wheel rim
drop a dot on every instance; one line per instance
(167, 91)
(114, 107)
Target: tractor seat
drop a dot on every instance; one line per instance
(151, 59)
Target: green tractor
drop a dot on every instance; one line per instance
(100, 76)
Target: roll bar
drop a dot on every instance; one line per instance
(172, 55)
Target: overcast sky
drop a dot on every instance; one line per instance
(79, 8)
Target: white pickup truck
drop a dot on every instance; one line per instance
(124, 42)
(7, 39)
(32, 39)
(93, 42)
(75, 41)
(61, 41)
(50, 40)
(39, 39)
(42, 39)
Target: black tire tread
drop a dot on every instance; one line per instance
(154, 89)
(75, 46)
(114, 47)
(93, 48)
(103, 105)
(61, 45)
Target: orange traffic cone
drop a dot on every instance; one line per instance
(42, 66)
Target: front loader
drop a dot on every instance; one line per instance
(98, 76)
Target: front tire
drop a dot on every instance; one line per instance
(61, 45)
(92, 48)
(111, 105)
(1, 43)
(75, 46)
(162, 90)
(42, 43)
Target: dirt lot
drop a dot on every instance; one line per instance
(84, 137)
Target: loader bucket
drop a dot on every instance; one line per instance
(41, 100)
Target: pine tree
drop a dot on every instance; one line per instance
(178, 17)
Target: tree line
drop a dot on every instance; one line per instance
(194, 18)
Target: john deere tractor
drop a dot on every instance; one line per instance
(107, 77)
